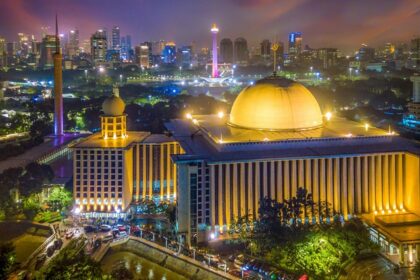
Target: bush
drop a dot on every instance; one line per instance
(47, 217)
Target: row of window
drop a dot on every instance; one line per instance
(105, 152)
(99, 157)
(106, 195)
(99, 183)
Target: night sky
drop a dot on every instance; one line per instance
(325, 23)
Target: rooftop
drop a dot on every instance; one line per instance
(96, 141)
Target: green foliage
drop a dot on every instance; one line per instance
(7, 259)
(59, 198)
(416, 271)
(47, 217)
(72, 263)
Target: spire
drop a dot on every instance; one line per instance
(57, 36)
(115, 90)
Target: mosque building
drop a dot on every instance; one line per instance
(218, 167)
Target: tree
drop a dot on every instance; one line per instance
(59, 198)
(7, 259)
(120, 272)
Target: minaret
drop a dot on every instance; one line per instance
(58, 85)
(214, 30)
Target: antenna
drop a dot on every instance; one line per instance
(274, 48)
(57, 36)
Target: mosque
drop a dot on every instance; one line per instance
(218, 167)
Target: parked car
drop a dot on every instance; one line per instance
(89, 229)
(41, 258)
(105, 228)
(58, 243)
(69, 234)
(122, 234)
(50, 250)
(107, 238)
(122, 228)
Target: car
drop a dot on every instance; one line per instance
(239, 261)
(222, 266)
(58, 243)
(50, 250)
(105, 227)
(122, 228)
(107, 238)
(89, 229)
(122, 234)
(69, 234)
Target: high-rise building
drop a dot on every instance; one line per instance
(48, 48)
(143, 55)
(116, 38)
(295, 44)
(411, 120)
(3, 52)
(215, 72)
(226, 50)
(415, 53)
(327, 57)
(240, 51)
(186, 58)
(169, 53)
(265, 48)
(126, 47)
(73, 43)
(365, 53)
(98, 46)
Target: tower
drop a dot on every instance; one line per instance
(214, 30)
(58, 85)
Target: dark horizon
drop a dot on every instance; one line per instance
(344, 25)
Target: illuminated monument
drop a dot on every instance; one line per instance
(58, 85)
(274, 141)
(215, 72)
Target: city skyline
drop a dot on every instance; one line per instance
(355, 22)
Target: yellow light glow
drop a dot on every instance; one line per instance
(349, 135)
(266, 139)
(383, 212)
(376, 212)
(389, 211)
(328, 116)
(396, 210)
(195, 121)
(220, 115)
(188, 116)
(366, 126)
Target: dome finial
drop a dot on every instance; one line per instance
(116, 90)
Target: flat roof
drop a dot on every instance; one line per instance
(403, 228)
(218, 129)
(158, 139)
(50, 144)
(96, 141)
(199, 143)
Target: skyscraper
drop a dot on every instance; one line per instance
(265, 48)
(295, 44)
(3, 54)
(73, 44)
(143, 55)
(365, 53)
(169, 53)
(240, 52)
(58, 85)
(48, 48)
(226, 50)
(415, 53)
(116, 39)
(98, 46)
(215, 72)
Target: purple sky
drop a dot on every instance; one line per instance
(325, 23)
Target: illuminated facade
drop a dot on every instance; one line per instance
(115, 167)
(228, 167)
(215, 72)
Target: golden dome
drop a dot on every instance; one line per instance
(113, 105)
(276, 103)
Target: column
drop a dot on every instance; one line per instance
(220, 198)
(392, 183)
(228, 194)
(264, 175)
(358, 185)
(243, 190)
(273, 172)
(337, 192)
(294, 178)
(212, 197)
(235, 195)
(168, 171)
(378, 175)
(372, 188)
(400, 178)
(344, 190)
(162, 187)
(144, 179)
(350, 185)
(279, 183)
(150, 172)
(250, 187)
(385, 177)
(286, 180)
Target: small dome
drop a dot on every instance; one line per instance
(276, 103)
(113, 106)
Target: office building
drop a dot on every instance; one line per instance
(295, 45)
(98, 46)
(327, 57)
(226, 50)
(143, 55)
(240, 51)
(48, 48)
(411, 120)
(116, 38)
(72, 49)
(169, 53)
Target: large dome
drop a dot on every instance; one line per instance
(276, 103)
(113, 106)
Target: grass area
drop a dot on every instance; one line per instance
(25, 236)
